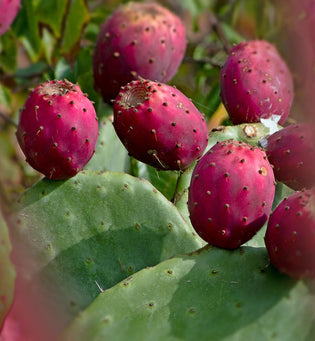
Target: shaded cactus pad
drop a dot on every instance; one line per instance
(212, 294)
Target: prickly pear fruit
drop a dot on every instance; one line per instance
(138, 39)
(291, 151)
(58, 129)
(256, 83)
(231, 193)
(290, 235)
(8, 12)
(159, 125)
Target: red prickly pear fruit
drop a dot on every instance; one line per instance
(231, 193)
(290, 235)
(256, 83)
(159, 125)
(58, 129)
(138, 39)
(291, 151)
(8, 12)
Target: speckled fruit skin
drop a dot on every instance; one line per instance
(58, 129)
(8, 12)
(290, 235)
(291, 151)
(138, 39)
(231, 193)
(159, 125)
(256, 83)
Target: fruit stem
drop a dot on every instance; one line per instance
(8, 119)
(182, 183)
(205, 60)
(220, 33)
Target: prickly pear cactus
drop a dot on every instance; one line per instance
(7, 272)
(111, 155)
(206, 295)
(92, 231)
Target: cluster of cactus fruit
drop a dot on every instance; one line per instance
(231, 181)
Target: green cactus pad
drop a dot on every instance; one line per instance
(92, 230)
(250, 133)
(7, 272)
(110, 154)
(212, 294)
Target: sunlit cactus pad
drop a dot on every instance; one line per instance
(212, 294)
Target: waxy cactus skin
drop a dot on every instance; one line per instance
(290, 235)
(138, 39)
(7, 271)
(256, 83)
(291, 151)
(8, 12)
(58, 129)
(231, 193)
(159, 125)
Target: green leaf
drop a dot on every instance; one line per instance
(8, 53)
(63, 71)
(26, 29)
(212, 294)
(83, 73)
(196, 7)
(33, 69)
(51, 13)
(77, 18)
(49, 45)
(5, 96)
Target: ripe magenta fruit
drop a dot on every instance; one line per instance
(231, 193)
(8, 12)
(58, 129)
(290, 236)
(138, 39)
(256, 83)
(159, 125)
(291, 151)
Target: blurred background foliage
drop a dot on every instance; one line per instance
(54, 39)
